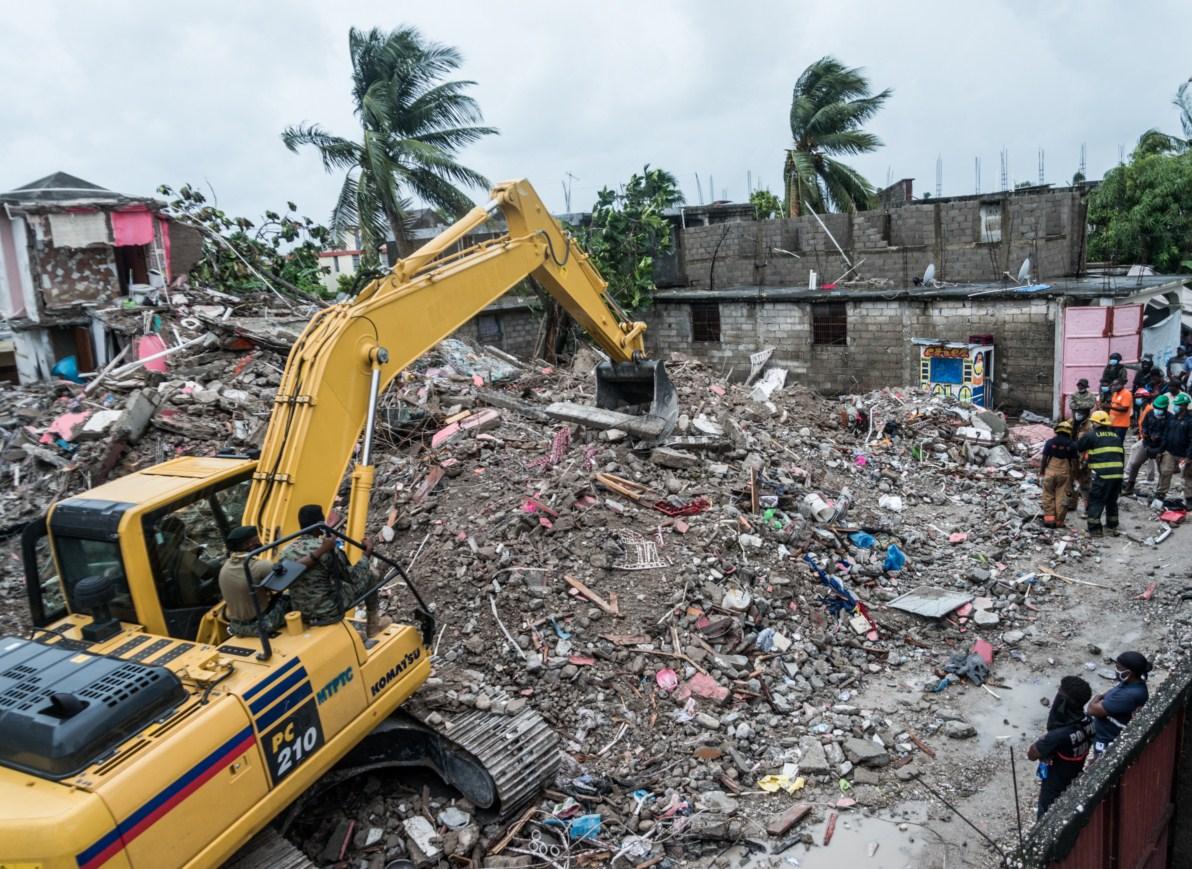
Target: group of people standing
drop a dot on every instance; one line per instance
(1087, 457)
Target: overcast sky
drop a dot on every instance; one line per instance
(132, 95)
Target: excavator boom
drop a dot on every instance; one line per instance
(350, 352)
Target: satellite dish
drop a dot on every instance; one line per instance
(929, 274)
(1024, 273)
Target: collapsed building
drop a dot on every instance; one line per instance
(70, 249)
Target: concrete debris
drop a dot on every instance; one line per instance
(681, 559)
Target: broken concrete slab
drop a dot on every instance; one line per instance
(865, 752)
(770, 382)
(644, 427)
(812, 758)
(668, 458)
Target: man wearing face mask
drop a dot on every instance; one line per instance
(1112, 371)
(1080, 405)
(1062, 749)
(1151, 430)
(1114, 709)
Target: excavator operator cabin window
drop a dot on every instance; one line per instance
(187, 549)
(79, 558)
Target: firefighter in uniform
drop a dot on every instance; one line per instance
(1106, 460)
(1060, 460)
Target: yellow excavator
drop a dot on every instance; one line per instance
(134, 730)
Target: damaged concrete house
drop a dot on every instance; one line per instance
(985, 295)
(69, 249)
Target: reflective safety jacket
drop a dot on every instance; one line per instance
(1106, 457)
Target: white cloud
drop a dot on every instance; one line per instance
(131, 95)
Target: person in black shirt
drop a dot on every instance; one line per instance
(1062, 749)
(1056, 473)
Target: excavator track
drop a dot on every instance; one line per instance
(498, 762)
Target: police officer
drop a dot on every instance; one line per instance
(1106, 460)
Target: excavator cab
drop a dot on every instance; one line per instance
(638, 388)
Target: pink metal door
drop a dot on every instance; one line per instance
(1090, 335)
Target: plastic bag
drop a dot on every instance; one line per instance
(895, 558)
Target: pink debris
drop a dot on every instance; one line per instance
(581, 661)
(481, 420)
(958, 537)
(445, 435)
(681, 526)
(148, 345)
(716, 389)
(477, 380)
(65, 426)
(704, 686)
(667, 679)
(985, 650)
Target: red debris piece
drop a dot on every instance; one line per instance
(830, 830)
(691, 508)
(1150, 591)
(985, 650)
(704, 686)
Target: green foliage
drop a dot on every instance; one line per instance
(765, 205)
(627, 229)
(828, 108)
(237, 252)
(413, 122)
(1142, 212)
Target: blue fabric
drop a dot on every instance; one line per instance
(1121, 702)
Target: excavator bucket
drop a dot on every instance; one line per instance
(638, 388)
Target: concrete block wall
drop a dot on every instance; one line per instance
(896, 246)
(519, 331)
(878, 351)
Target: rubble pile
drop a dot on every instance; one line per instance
(705, 620)
(700, 618)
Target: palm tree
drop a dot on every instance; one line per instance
(829, 105)
(414, 123)
(1154, 141)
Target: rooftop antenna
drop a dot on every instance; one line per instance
(977, 173)
(1121, 155)
(567, 189)
(700, 188)
(939, 176)
(711, 188)
(1005, 169)
(1083, 155)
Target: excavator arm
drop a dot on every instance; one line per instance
(350, 352)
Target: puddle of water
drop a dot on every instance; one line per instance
(865, 842)
(1016, 716)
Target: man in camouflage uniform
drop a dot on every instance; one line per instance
(1080, 405)
(329, 585)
